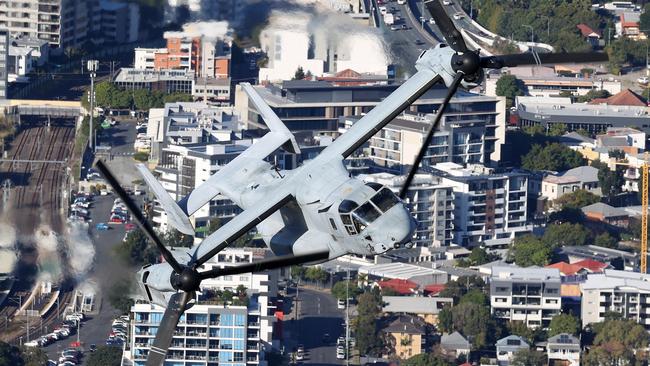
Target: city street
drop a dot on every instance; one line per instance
(318, 316)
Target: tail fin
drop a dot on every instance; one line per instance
(272, 120)
(175, 214)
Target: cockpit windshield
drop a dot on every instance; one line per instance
(356, 218)
(366, 213)
(384, 199)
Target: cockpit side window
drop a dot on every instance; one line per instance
(385, 199)
(345, 209)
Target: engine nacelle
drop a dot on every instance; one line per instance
(155, 283)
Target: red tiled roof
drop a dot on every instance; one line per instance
(434, 288)
(586, 30)
(625, 97)
(626, 24)
(347, 73)
(592, 265)
(466, 364)
(566, 268)
(404, 287)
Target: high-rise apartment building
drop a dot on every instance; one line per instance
(71, 23)
(489, 208)
(205, 57)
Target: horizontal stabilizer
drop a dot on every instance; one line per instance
(175, 214)
(271, 119)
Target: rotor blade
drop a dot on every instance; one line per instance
(427, 140)
(519, 59)
(446, 26)
(167, 327)
(264, 264)
(139, 217)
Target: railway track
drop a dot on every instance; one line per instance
(33, 191)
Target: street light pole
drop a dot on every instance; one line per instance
(92, 68)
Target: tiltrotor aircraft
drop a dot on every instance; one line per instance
(318, 211)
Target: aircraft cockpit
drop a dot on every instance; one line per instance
(356, 217)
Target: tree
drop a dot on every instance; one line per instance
(577, 199)
(509, 86)
(557, 129)
(298, 271)
(316, 274)
(177, 97)
(174, 238)
(119, 295)
(368, 309)
(594, 94)
(563, 323)
(33, 356)
(474, 296)
(341, 291)
(425, 359)
(627, 332)
(9, 355)
(213, 225)
(105, 356)
(644, 19)
(611, 182)
(480, 256)
(554, 157)
(456, 289)
(144, 99)
(528, 357)
(136, 249)
(521, 329)
(472, 320)
(529, 250)
(565, 234)
(299, 74)
(606, 240)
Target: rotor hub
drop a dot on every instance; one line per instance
(469, 63)
(188, 280)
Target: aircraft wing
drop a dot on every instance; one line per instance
(382, 114)
(239, 225)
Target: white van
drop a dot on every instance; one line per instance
(340, 304)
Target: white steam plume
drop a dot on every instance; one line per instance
(209, 30)
(49, 261)
(80, 249)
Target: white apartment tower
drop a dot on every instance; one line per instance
(489, 207)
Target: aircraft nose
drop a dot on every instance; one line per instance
(402, 231)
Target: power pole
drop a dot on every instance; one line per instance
(92, 68)
(644, 216)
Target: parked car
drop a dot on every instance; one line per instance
(104, 192)
(129, 227)
(92, 348)
(102, 226)
(340, 304)
(115, 219)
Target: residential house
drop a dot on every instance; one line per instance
(607, 214)
(583, 177)
(508, 346)
(590, 35)
(618, 259)
(455, 344)
(563, 349)
(426, 308)
(403, 271)
(407, 335)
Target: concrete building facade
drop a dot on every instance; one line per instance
(489, 208)
(4, 56)
(627, 293)
(530, 295)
